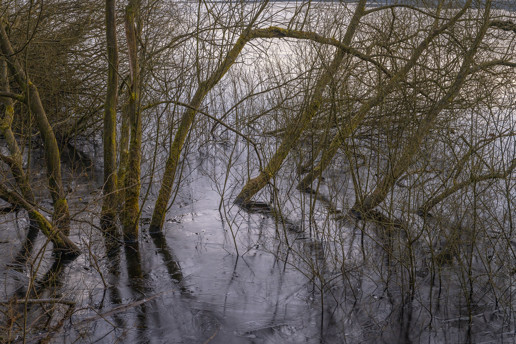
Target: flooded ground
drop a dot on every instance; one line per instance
(297, 271)
(297, 266)
(187, 286)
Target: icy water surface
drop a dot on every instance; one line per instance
(188, 286)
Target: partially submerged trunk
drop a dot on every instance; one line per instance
(294, 131)
(61, 242)
(61, 215)
(160, 208)
(412, 147)
(109, 203)
(14, 160)
(131, 208)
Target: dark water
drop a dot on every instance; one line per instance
(187, 286)
(297, 278)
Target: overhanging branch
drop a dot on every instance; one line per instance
(277, 32)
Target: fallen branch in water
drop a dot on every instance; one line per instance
(124, 308)
(39, 301)
(45, 337)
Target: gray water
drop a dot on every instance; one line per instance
(288, 283)
(188, 286)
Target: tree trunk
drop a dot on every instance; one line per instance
(160, 208)
(405, 160)
(355, 121)
(109, 204)
(14, 161)
(61, 242)
(294, 131)
(61, 215)
(131, 208)
(123, 152)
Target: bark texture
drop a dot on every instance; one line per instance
(61, 215)
(294, 131)
(158, 216)
(132, 181)
(109, 204)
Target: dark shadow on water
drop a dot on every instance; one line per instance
(173, 268)
(113, 254)
(231, 280)
(138, 287)
(50, 287)
(25, 251)
(53, 279)
(204, 323)
(50, 284)
(133, 299)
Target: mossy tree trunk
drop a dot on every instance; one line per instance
(294, 130)
(123, 152)
(26, 200)
(413, 144)
(15, 159)
(61, 242)
(160, 207)
(131, 208)
(61, 215)
(383, 91)
(109, 204)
